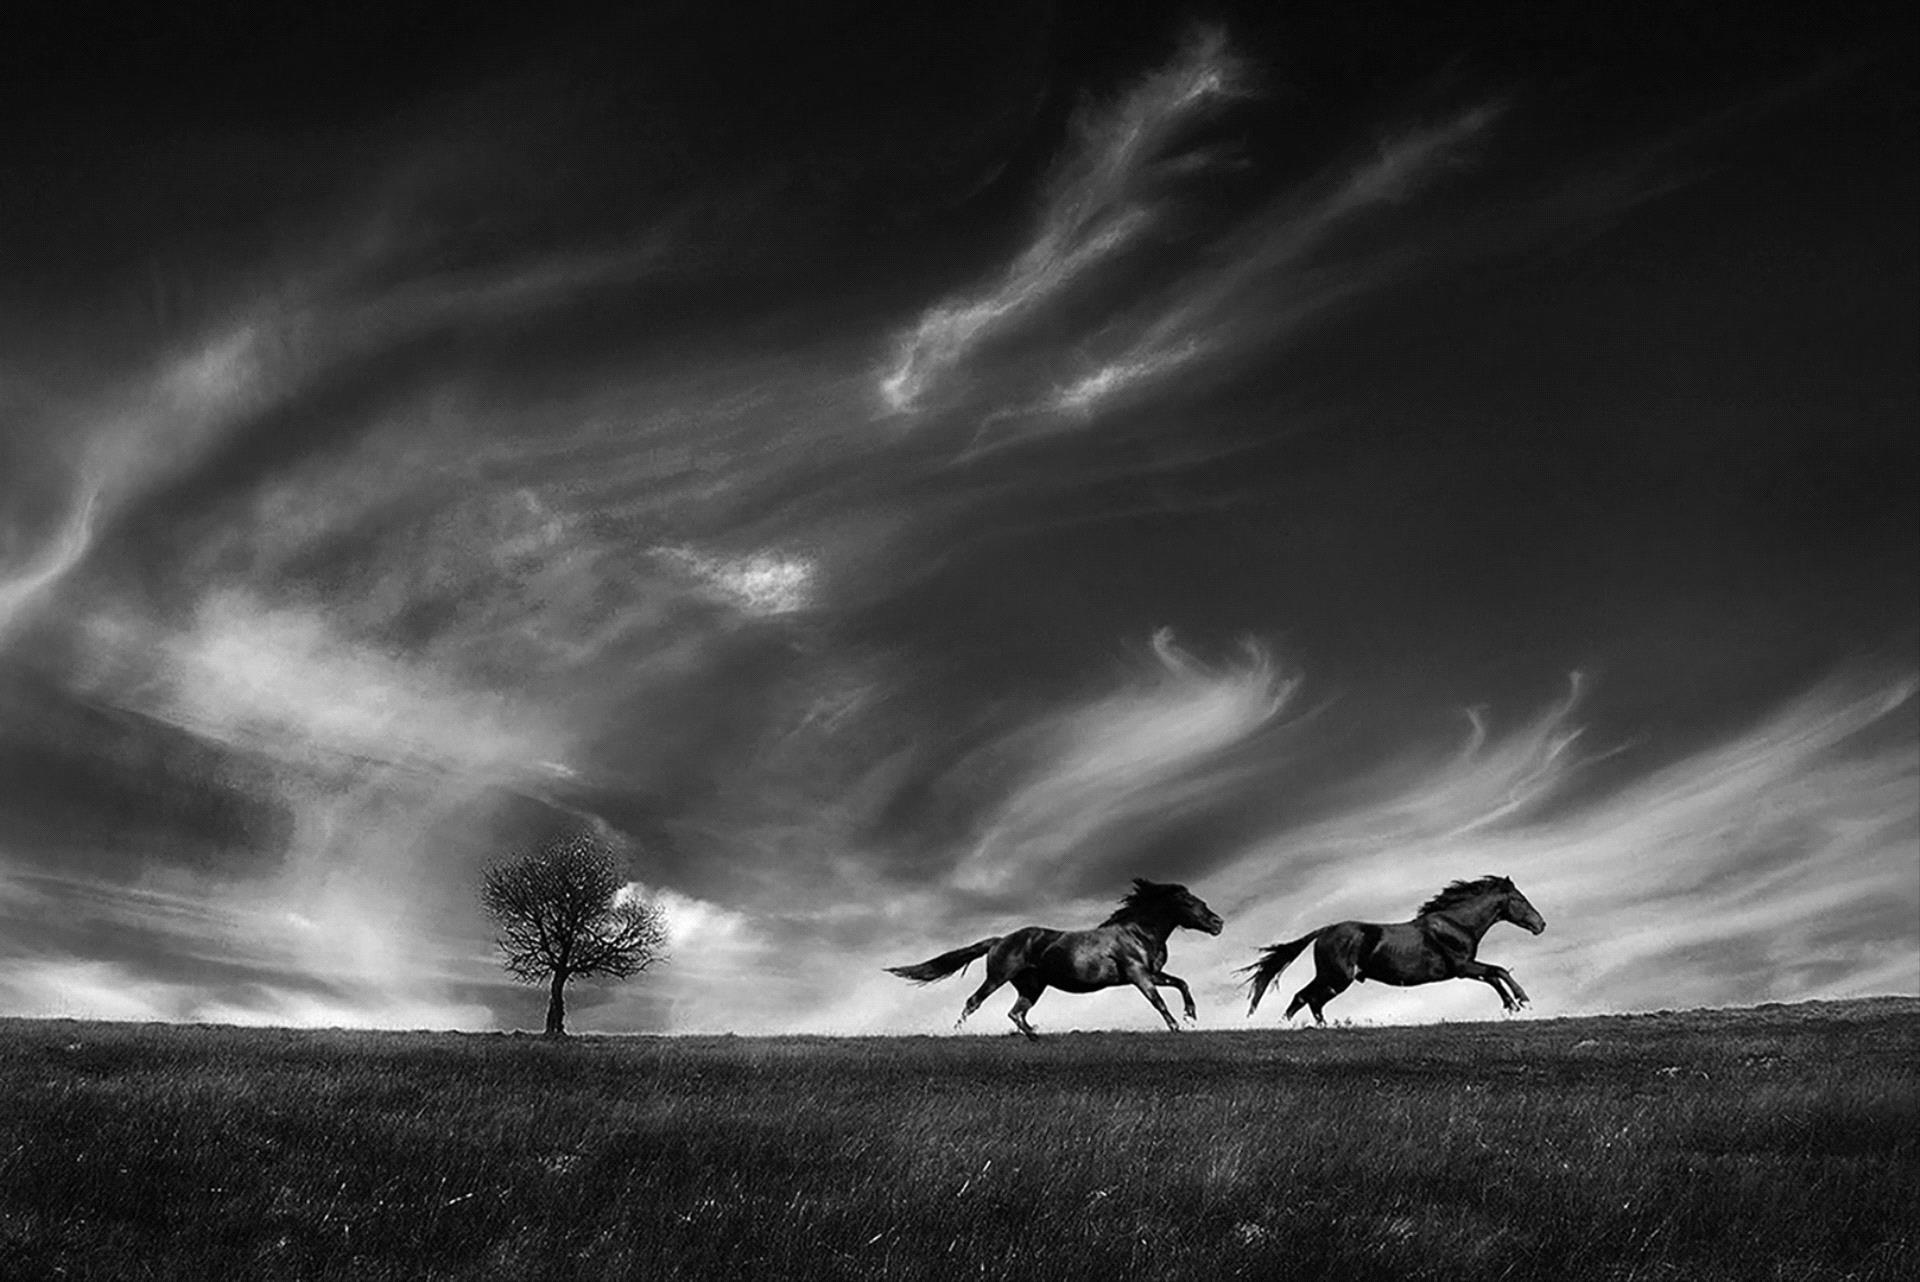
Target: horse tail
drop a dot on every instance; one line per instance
(945, 964)
(1274, 958)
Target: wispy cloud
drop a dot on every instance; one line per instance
(136, 431)
(1143, 751)
(275, 679)
(84, 989)
(24, 582)
(1251, 284)
(1100, 203)
(1280, 269)
(122, 441)
(283, 950)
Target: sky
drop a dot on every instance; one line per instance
(900, 472)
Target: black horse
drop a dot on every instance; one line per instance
(1439, 943)
(1129, 947)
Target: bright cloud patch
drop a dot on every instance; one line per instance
(762, 583)
(264, 676)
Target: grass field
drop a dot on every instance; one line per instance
(1782, 1142)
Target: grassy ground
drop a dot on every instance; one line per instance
(1782, 1142)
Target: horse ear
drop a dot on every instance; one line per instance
(1142, 884)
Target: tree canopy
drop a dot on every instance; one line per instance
(563, 911)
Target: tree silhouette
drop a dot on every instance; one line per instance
(561, 914)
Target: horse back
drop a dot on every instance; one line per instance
(1018, 948)
(1082, 961)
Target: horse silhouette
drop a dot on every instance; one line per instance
(1129, 947)
(1439, 943)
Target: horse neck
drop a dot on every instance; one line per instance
(1153, 926)
(1475, 917)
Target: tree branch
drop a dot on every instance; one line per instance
(559, 911)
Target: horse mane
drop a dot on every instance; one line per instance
(1460, 891)
(1142, 901)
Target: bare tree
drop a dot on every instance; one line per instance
(561, 914)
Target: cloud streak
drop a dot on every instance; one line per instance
(1267, 281)
(1142, 754)
(1100, 204)
(24, 585)
(1251, 284)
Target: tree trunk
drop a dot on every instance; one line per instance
(557, 1006)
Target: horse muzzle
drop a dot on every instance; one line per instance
(1214, 926)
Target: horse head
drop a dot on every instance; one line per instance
(1190, 910)
(1517, 910)
(1165, 904)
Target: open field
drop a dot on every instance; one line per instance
(1782, 1142)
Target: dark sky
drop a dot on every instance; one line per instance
(900, 472)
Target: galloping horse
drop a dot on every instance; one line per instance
(1129, 947)
(1439, 943)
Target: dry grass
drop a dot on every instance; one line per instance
(1776, 1143)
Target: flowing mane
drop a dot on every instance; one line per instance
(1460, 891)
(1143, 902)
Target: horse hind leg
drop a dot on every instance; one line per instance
(1029, 990)
(1314, 997)
(980, 994)
(1334, 973)
(1328, 983)
(1336, 964)
(998, 972)
(1006, 958)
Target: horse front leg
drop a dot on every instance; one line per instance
(1163, 979)
(1505, 976)
(1142, 979)
(1492, 977)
